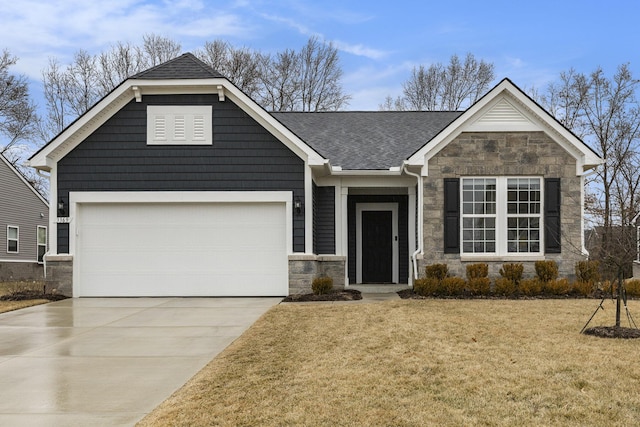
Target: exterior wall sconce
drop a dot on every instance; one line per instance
(297, 206)
(61, 208)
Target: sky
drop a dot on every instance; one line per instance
(379, 42)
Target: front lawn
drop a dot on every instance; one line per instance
(416, 363)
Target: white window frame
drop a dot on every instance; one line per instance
(179, 125)
(501, 222)
(38, 244)
(10, 239)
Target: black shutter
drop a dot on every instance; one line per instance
(552, 215)
(451, 216)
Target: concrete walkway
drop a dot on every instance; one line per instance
(109, 362)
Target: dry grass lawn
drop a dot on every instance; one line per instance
(416, 363)
(9, 287)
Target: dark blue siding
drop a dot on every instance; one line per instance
(243, 157)
(324, 221)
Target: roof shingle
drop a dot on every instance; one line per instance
(367, 140)
(185, 66)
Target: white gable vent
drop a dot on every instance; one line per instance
(504, 116)
(179, 125)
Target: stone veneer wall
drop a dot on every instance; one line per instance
(304, 268)
(21, 271)
(59, 274)
(495, 154)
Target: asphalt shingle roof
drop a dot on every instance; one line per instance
(185, 66)
(367, 140)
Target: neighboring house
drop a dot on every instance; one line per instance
(24, 219)
(177, 183)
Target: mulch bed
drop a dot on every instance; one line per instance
(344, 295)
(31, 294)
(613, 332)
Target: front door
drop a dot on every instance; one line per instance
(377, 246)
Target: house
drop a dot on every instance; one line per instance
(177, 183)
(24, 219)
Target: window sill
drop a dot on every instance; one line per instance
(502, 258)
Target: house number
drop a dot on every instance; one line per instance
(63, 220)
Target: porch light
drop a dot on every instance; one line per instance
(61, 208)
(297, 205)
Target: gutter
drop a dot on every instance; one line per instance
(420, 225)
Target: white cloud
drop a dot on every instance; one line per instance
(33, 30)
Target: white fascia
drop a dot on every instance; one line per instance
(585, 157)
(73, 135)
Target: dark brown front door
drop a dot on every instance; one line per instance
(377, 246)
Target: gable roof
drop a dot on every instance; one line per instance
(185, 66)
(367, 140)
(507, 108)
(184, 74)
(23, 179)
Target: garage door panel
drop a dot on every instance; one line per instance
(213, 249)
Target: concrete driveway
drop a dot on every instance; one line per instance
(110, 361)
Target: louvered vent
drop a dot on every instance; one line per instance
(160, 129)
(503, 112)
(198, 128)
(179, 125)
(179, 131)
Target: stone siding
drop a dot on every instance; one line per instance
(502, 154)
(21, 271)
(304, 268)
(59, 277)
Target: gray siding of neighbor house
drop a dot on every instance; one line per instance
(503, 154)
(244, 157)
(21, 207)
(324, 220)
(403, 232)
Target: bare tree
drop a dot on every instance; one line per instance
(82, 88)
(446, 87)
(240, 65)
(117, 64)
(320, 87)
(280, 83)
(55, 84)
(18, 117)
(158, 49)
(391, 104)
(422, 91)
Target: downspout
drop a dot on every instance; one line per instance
(419, 207)
(44, 257)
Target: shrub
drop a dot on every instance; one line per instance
(427, 286)
(588, 271)
(512, 272)
(530, 287)
(436, 271)
(504, 286)
(322, 285)
(556, 287)
(479, 285)
(546, 270)
(476, 271)
(581, 288)
(633, 287)
(453, 285)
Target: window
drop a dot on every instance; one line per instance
(42, 242)
(179, 125)
(12, 239)
(501, 216)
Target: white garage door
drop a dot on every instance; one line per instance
(181, 249)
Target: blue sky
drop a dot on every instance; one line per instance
(379, 41)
